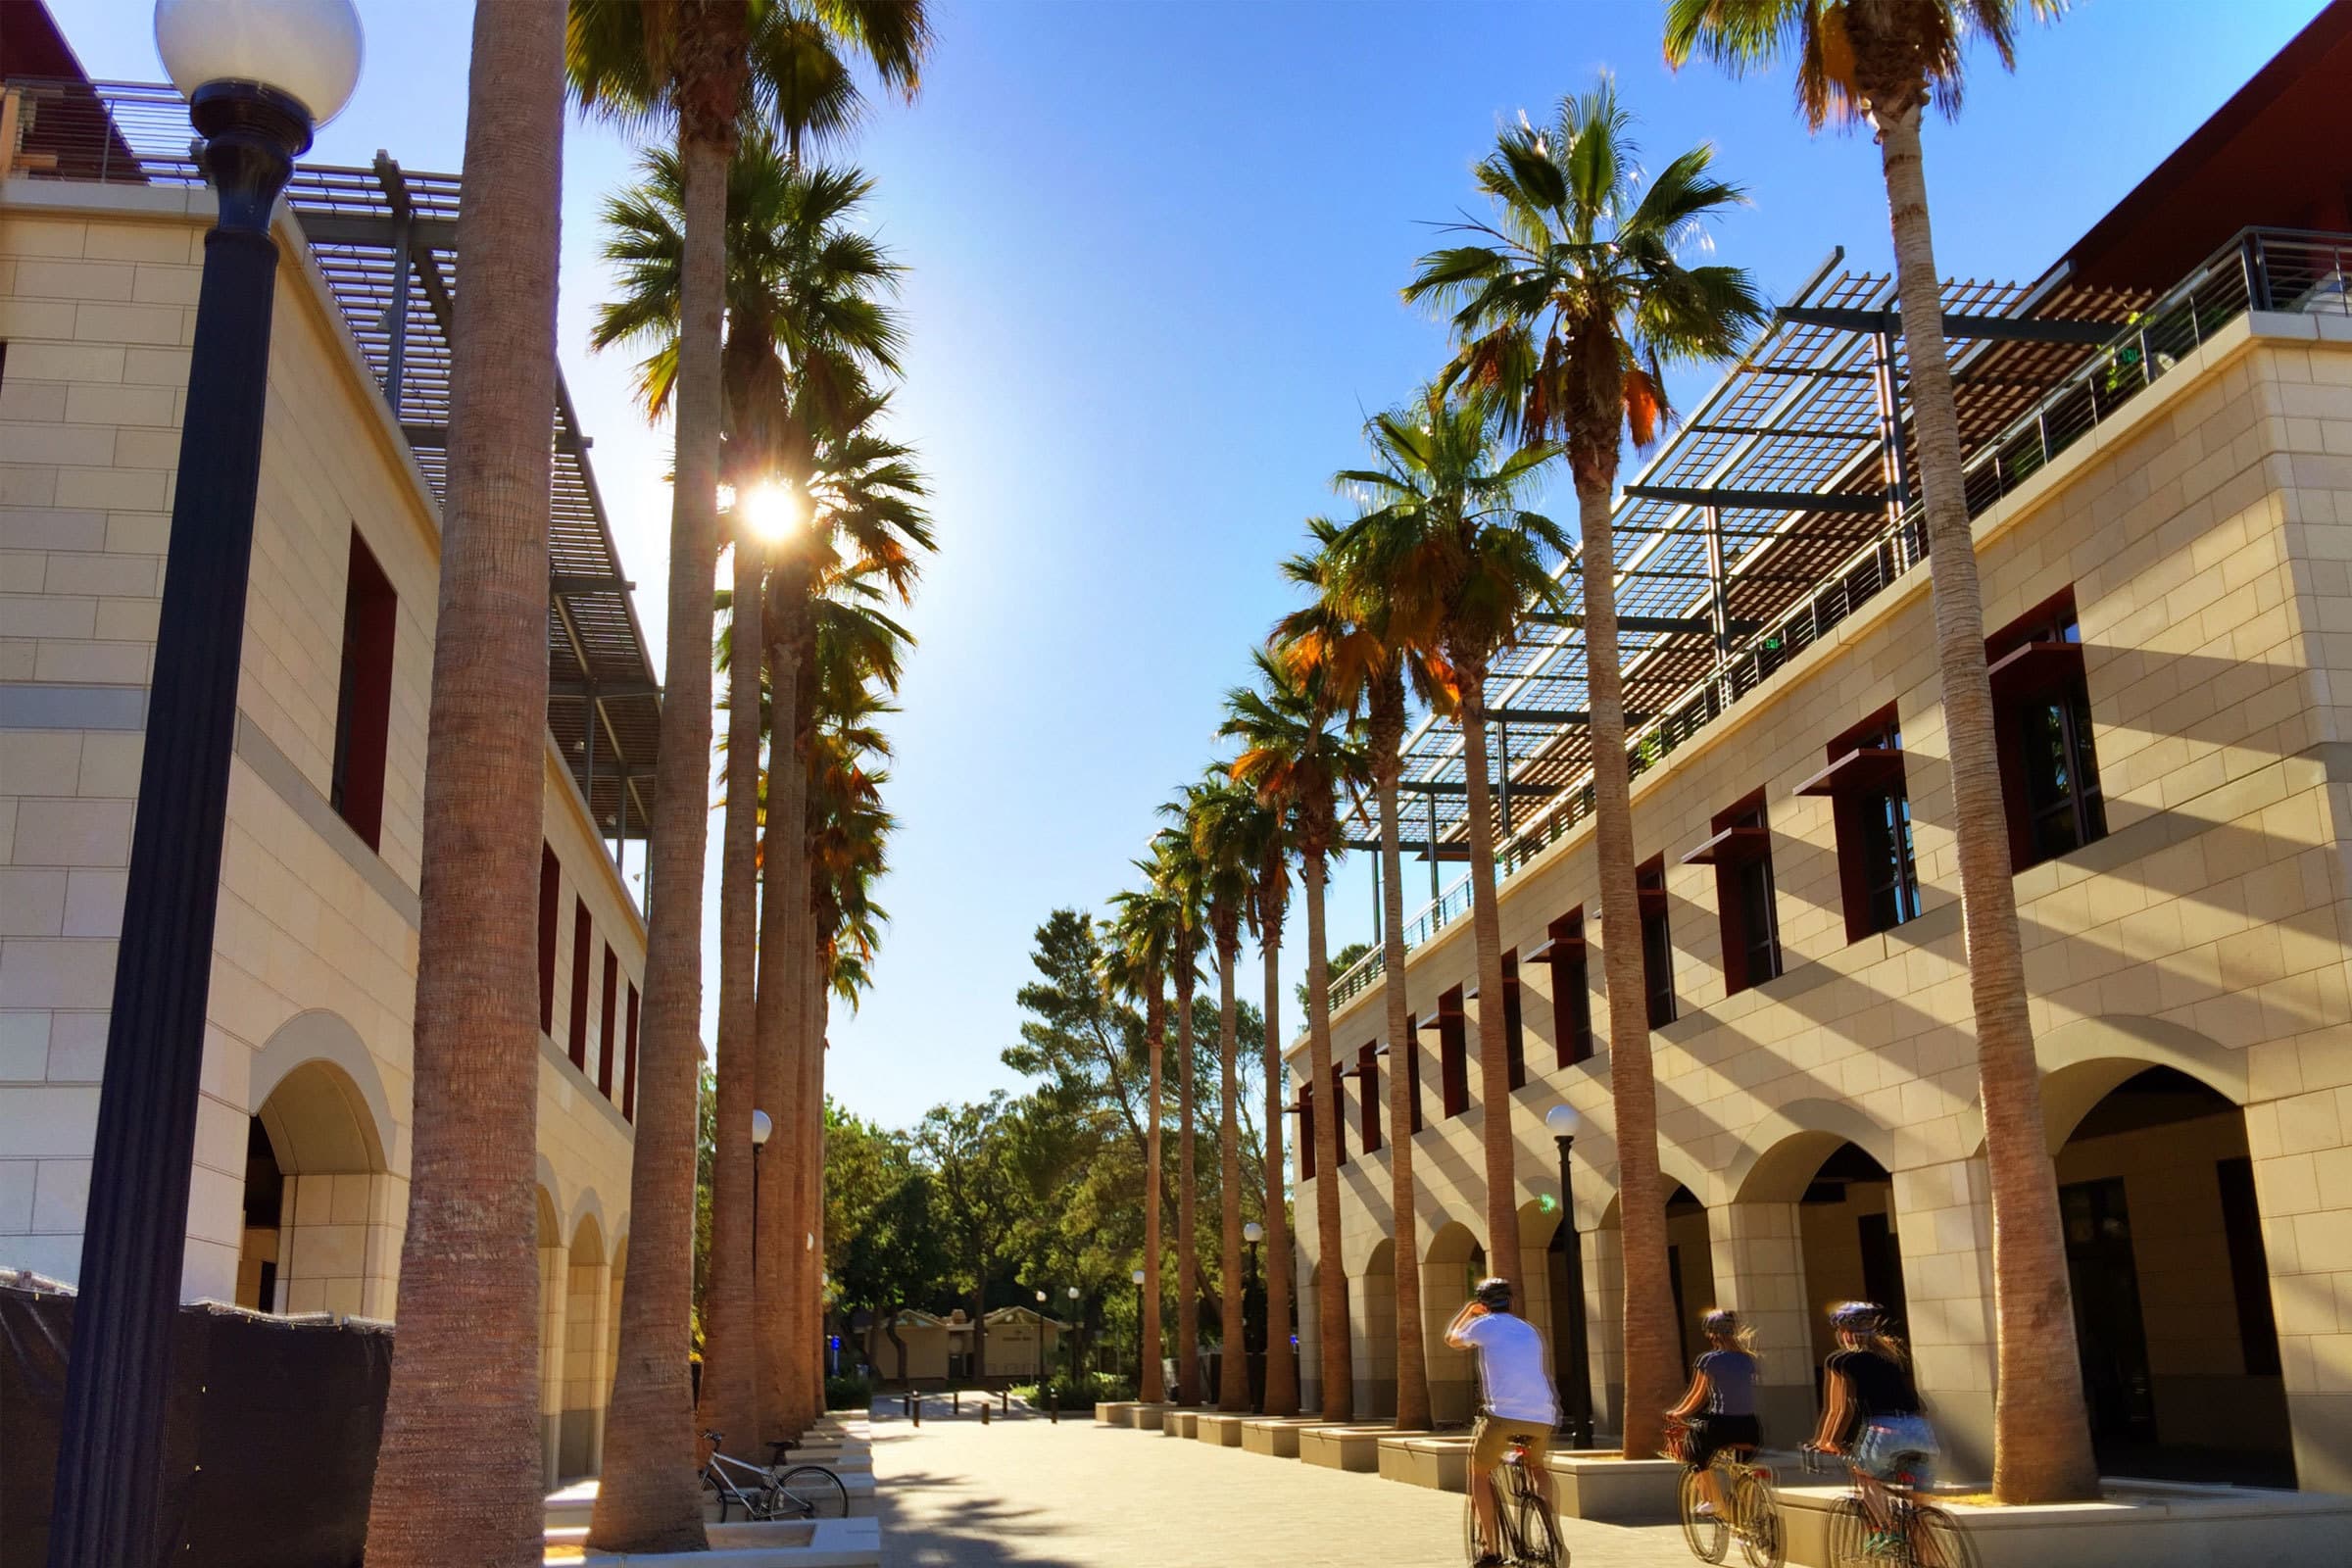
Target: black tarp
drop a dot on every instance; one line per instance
(270, 1436)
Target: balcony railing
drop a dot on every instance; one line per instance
(2263, 268)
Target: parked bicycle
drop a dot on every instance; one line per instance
(1750, 1513)
(1523, 1518)
(775, 1489)
(1884, 1524)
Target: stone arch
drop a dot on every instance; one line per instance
(588, 1209)
(321, 1217)
(1446, 1268)
(2085, 1060)
(329, 1089)
(1782, 1152)
(551, 1186)
(555, 1291)
(1374, 1302)
(1676, 1168)
(584, 1377)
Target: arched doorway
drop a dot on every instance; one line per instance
(584, 1374)
(555, 1293)
(321, 1216)
(1450, 1267)
(1690, 1278)
(1375, 1295)
(2173, 1310)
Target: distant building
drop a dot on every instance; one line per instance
(912, 1349)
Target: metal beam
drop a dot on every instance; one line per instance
(1445, 852)
(1759, 500)
(1658, 624)
(567, 583)
(603, 688)
(435, 437)
(357, 228)
(2007, 328)
(1448, 788)
(1555, 716)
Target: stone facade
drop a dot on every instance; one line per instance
(2205, 533)
(316, 949)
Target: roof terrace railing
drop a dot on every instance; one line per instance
(2286, 270)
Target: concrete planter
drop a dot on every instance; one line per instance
(1598, 1485)
(2140, 1524)
(1147, 1417)
(1354, 1449)
(1440, 1464)
(1225, 1431)
(1276, 1436)
(1180, 1424)
(1114, 1413)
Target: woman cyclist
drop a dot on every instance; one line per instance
(1720, 1411)
(1872, 1413)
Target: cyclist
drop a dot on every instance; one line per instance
(1720, 1411)
(1873, 1414)
(1519, 1405)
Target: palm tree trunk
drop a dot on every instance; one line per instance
(1188, 1262)
(1282, 1359)
(458, 1477)
(782, 922)
(1485, 930)
(1412, 1351)
(809, 1234)
(648, 1500)
(2042, 1434)
(730, 1386)
(1653, 1345)
(1233, 1362)
(1331, 1297)
(1154, 1388)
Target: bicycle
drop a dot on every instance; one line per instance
(1751, 1493)
(1530, 1536)
(1912, 1534)
(774, 1491)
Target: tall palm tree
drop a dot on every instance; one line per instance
(1299, 762)
(1568, 306)
(1883, 62)
(458, 1476)
(1230, 830)
(1365, 657)
(1447, 526)
(1145, 930)
(1178, 869)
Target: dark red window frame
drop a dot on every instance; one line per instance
(1657, 941)
(2050, 790)
(1368, 1078)
(363, 698)
(628, 1071)
(1410, 1066)
(1306, 1132)
(1571, 990)
(1515, 1029)
(583, 937)
(607, 1018)
(551, 910)
(1453, 1054)
(1338, 1110)
(1747, 910)
(1870, 805)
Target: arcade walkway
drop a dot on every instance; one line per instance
(1026, 1493)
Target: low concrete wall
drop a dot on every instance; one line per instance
(1345, 1448)
(1439, 1463)
(2139, 1525)
(1147, 1417)
(1180, 1424)
(1225, 1431)
(1114, 1413)
(1611, 1490)
(1276, 1436)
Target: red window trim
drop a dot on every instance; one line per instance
(582, 936)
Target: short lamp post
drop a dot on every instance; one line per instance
(1074, 1338)
(1575, 1365)
(1138, 1277)
(762, 1126)
(260, 77)
(1253, 1232)
(1041, 1341)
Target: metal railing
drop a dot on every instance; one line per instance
(114, 133)
(2288, 270)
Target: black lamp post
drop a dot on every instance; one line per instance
(1253, 1232)
(1041, 1341)
(1073, 1345)
(259, 79)
(762, 1125)
(1575, 1365)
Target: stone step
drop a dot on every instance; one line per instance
(808, 1544)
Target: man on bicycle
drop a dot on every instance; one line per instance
(1518, 1404)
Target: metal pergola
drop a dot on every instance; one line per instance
(1787, 492)
(384, 240)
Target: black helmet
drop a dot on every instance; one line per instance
(1720, 1320)
(1858, 1317)
(1495, 1293)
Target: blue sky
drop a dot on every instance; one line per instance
(1155, 250)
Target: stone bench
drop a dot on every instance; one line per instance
(1600, 1484)
(1354, 1449)
(1147, 1417)
(1276, 1436)
(1440, 1462)
(1180, 1424)
(1225, 1431)
(1114, 1412)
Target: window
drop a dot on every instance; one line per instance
(1306, 1132)
(1409, 1064)
(2041, 721)
(1740, 851)
(581, 938)
(1367, 1079)
(629, 1073)
(363, 701)
(550, 907)
(1571, 990)
(1453, 1062)
(1657, 943)
(1339, 1112)
(1514, 1039)
(1871, 807)
(606, 1022)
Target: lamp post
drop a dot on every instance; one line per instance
(1138, 1277)
(1040, 1341)
(1575, 1367)
(762, 1125)
(1253, 1232)
(260, 78)
(1073, 1345)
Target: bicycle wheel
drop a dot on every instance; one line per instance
(1933, 1539)
(1849, 1535)
(1539, 1536)
(1757, 1507)
(810, 1491)
(1707, 1534)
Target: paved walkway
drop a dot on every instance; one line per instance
(1027, 1493)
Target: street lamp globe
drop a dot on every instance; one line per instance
(1041, 1298)
(1254, 1232)
(1563, 1120)
(1136, 1275)
(307, 51)
(762, 1125)
(1073, 1293)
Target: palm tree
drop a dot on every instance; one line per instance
(1885, 61)
(1178, 869)
(1299, 762)
(1446, 529)
(458, 1477)
(1568, 306)
(1230, 830)
(1365, 657)
(1144, 932)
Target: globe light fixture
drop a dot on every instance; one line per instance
(260, 76)
(1136, 1275)
(1563, 1120)
(1574, 1366)
(1073, 1293)
(762, 1125)
(1254, 1232)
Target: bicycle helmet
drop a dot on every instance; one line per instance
(1857, 1317)
(1722, 1320)
(1495, 1293)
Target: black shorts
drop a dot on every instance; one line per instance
(1711, 1434)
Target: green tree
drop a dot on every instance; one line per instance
(1569, 304)
(1883, 62)
(1176, 868)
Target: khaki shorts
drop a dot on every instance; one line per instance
(1494, 1437)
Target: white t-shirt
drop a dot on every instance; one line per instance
(1510, 1369)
